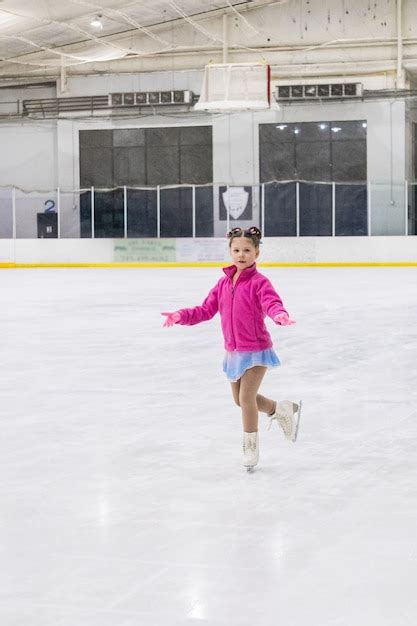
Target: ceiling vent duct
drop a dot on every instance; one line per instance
(53, 107)
(150, 98)
(319, 91)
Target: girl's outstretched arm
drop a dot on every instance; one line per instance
(171, 318)
(196, 314)
(272, 305)
(202, 313)
(283, 320)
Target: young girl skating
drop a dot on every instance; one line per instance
(244, 297)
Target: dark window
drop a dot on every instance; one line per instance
(412, 195)
(415, 153)
(317, 152)
(141, 213)
(128, 137)
(176, 212)
(204, 218)
(163, 166)
(147, 157)
(108, 214)
(194, 169)
(96, 138)
(129, 166)
(162, 136)
(313, 160)
(96, 167)
(350, 208)
(85, 214)
(315, 210)
(280, 217)
(349, 161)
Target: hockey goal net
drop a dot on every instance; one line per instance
(235, 86)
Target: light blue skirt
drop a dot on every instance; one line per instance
(235, 364)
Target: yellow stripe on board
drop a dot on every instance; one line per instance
(202, 264)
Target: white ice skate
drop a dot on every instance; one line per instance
(250, 450)
(287, 415)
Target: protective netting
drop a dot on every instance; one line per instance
(281, 208)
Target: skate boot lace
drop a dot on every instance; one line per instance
(284, 421)
(249, 445)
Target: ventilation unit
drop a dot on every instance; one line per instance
(150, 98)
(318, 92)
(53, 107)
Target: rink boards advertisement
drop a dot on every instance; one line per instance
(169, 250)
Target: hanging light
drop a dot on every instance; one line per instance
(96, 22)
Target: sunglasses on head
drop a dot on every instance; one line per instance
(253, 231)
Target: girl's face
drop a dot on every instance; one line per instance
(243, 252)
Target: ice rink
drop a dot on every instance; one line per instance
(123, 497)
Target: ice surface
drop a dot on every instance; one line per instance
(123, 498)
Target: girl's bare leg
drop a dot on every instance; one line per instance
(248, 397)
(264, 405)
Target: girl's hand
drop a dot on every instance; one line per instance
(283, 320)
(172, 318)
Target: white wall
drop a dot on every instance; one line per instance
(28, 155)
(99, 85)
(11, 98)
(43, 155)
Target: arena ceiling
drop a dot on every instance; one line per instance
(40, 35)
(43, 38)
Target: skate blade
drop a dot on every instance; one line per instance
(300, 404)
(250, 469)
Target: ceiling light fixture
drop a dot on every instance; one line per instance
(96, 22)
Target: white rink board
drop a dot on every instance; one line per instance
(382, 249)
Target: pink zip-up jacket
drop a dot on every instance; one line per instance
(243, 308)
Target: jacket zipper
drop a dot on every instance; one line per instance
(231, 312)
